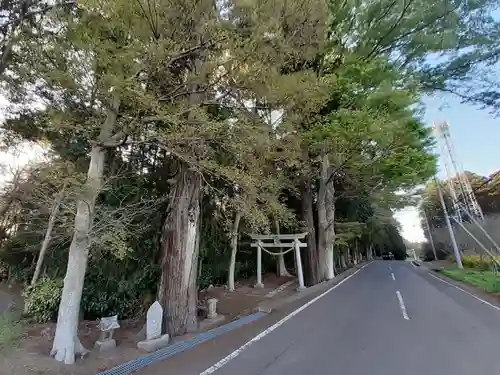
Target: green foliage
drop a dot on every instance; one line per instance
(486, 280)
(249, 100)
(42, 299)
(441, 251)
(215, 253)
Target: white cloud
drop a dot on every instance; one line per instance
(411, 228)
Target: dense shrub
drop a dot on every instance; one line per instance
(42, 299)
(477, 262)
(441, 252)
(101, 297)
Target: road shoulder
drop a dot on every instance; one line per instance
(202, 356)
(491, 298)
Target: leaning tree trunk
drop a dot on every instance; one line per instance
(234, 249)
(312, 274)
(177, 291)
(66, 343)
(48, 236)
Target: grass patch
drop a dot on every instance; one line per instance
(485, 280)
(10, 330)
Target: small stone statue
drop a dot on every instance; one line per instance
(107, 326)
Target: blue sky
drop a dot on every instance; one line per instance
(475, 133)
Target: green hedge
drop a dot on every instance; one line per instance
(478, 262)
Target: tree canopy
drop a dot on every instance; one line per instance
(177, 128)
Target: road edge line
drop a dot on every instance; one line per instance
(276, 325)
(465, 291)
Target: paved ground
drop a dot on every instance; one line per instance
(374, 323)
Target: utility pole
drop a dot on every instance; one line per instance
(448, 224)
(430, 234)
(462, 196)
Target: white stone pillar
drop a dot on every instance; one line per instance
(259, 267)
(298, 262)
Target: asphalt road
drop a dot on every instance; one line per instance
(377, 324)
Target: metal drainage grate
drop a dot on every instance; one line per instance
(162, 354)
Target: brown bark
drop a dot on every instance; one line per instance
(312, 265)
(180, 249)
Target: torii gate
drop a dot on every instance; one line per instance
(276, 239)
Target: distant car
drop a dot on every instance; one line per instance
(388, 256)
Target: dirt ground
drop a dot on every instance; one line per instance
(10, 296)
(30, 355)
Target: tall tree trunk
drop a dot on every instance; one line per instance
(280, 260)
(330, 264)
(326, 219)
(330, 216)
(48, 236)
(312, 274)
(234, 249)
(66, 343)
(177, 291)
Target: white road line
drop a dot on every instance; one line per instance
(466, 292)
(393, 277)
(402, 305)
(264, 333)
